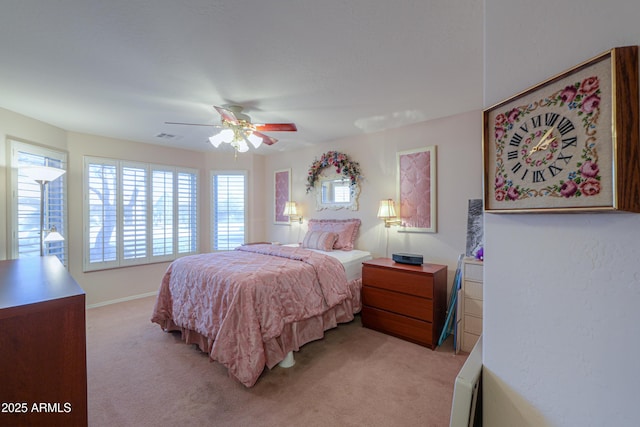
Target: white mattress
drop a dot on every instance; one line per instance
(352, 260)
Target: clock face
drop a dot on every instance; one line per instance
(551, 148)
(539, 149)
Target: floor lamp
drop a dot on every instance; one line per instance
(44, 175)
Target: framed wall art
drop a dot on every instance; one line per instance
(417, 190)
(282, 194)
(568, 144)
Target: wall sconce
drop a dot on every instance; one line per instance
(291, 211)
(387, 213)
(44, 175)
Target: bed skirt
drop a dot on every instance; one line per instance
(294, 335)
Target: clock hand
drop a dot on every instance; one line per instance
(545, 141)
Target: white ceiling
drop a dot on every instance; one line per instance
(337, 68)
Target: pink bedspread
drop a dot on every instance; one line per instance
(251, 306)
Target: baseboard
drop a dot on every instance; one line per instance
(115, 301)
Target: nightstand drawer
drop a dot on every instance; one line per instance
(414, 330)
(419, 308)
(399, 281)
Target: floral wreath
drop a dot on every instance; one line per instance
(585, 181)
(340, 162)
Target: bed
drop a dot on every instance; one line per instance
(252, 307)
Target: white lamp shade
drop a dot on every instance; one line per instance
(386, 209)
(255, 140)
(43, 173)
(242, 146)
(225, 135)
(290, 209)
(54, 236)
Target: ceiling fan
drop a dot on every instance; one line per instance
(238, 131)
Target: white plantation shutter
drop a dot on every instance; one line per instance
(131, 213)
(25, 236)
(162, 189)
(229, 210)
(187, 212)
(134, 212)
(101, 198)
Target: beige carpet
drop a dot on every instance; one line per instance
(139, 375)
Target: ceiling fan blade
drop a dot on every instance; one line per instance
(227, 115)
(276, 127)
(192, 124)
(266, 139)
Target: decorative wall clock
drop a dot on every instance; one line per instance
(570, 143)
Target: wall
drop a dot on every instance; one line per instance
(458, 163)
(561, 292)
(122, 283)
(458, 141)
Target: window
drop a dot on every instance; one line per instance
(342, 192)
(229, 210)
(137, 213)
(25, 206)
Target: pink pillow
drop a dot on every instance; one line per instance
(346, 229)
(323, 240)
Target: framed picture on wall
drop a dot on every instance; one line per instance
(417, 189)
(282, 194)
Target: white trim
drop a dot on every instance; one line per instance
(125, 299)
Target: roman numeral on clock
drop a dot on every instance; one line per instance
(570, 141)
(511, 155)
(566, 159)
(538, 176)
(516, 167)
(554, 170)
(565, 126)
(550, 119)
(536, 121)
(515, 140)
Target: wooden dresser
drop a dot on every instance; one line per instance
(406, 301)
(43, 362)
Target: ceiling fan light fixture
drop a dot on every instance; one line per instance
(240, 145)
(255, 140)
(238, 131)
(225, 135)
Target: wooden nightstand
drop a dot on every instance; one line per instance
(406, 301)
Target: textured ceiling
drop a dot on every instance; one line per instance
(336, 68)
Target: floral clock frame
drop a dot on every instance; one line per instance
(568, 144)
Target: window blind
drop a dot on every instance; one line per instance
(162, 185)
(229, 215)
(102, 212)
(187, 212)
(131, 213)
(134, 212)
